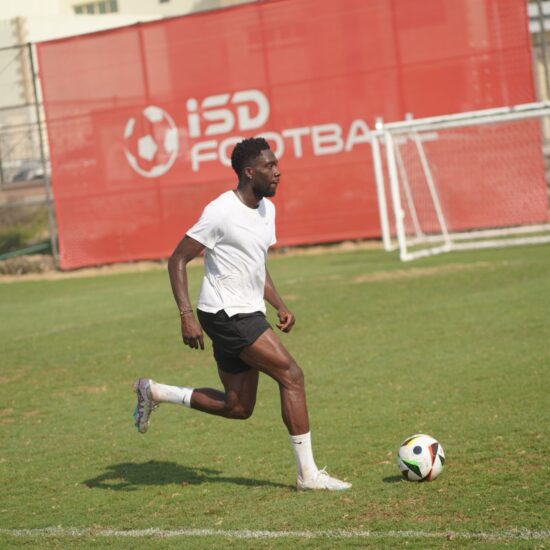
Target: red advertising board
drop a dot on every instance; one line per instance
(141, 120)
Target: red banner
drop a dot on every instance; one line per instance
(141, 120)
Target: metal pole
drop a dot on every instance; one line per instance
(431, 187)
(543, 48)
(381, 194)
(47, 183)
(1, 163)
(396, 197)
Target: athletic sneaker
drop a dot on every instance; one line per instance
(145, 404)
(321, 481)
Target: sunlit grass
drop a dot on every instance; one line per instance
(454, 346)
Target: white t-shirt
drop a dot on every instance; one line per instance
(236, 238)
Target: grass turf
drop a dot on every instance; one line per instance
(455, 346)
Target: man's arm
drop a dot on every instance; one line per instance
(186, 250)
(286, 317)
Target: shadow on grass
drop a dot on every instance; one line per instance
(393, 479)
(127, 476)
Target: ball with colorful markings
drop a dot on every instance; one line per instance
(420, 458)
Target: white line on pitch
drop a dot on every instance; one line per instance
(511, 534)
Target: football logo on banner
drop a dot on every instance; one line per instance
(217, 122)
(151, 142)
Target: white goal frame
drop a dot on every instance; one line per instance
(420, 245)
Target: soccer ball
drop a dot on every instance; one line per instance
(151, 142)
(420, 458)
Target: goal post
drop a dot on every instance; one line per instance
(464, 181)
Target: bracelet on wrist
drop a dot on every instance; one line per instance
(186, 310)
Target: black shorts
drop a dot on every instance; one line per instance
(230, 335)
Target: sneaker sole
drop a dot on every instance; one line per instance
(144, 426)
(322, 489)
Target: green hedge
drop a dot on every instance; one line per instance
(22, 226)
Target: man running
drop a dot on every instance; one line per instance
(235, 231)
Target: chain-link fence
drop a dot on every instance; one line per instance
(27, 220)
(20, 144)
(26, 210)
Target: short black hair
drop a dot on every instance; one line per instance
(245, 151)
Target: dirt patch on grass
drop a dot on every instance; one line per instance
(26, 265)
(41, 267)
(415, 272)
(38, 269)
(316, 250)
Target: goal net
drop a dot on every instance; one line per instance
(465, 181)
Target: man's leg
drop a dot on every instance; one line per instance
(268, 355)
(237, 401)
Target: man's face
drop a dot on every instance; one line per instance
(265, 174)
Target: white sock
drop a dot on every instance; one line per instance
(171, 394)
(301, 446)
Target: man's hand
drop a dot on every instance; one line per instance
(286, 319)
(191, 331)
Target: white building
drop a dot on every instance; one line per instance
(23, 22)
(48, 19)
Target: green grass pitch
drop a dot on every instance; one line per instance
(456, 346)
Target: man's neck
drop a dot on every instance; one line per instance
(247, 196)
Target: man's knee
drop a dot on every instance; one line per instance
(294, 376)
(240, 411)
